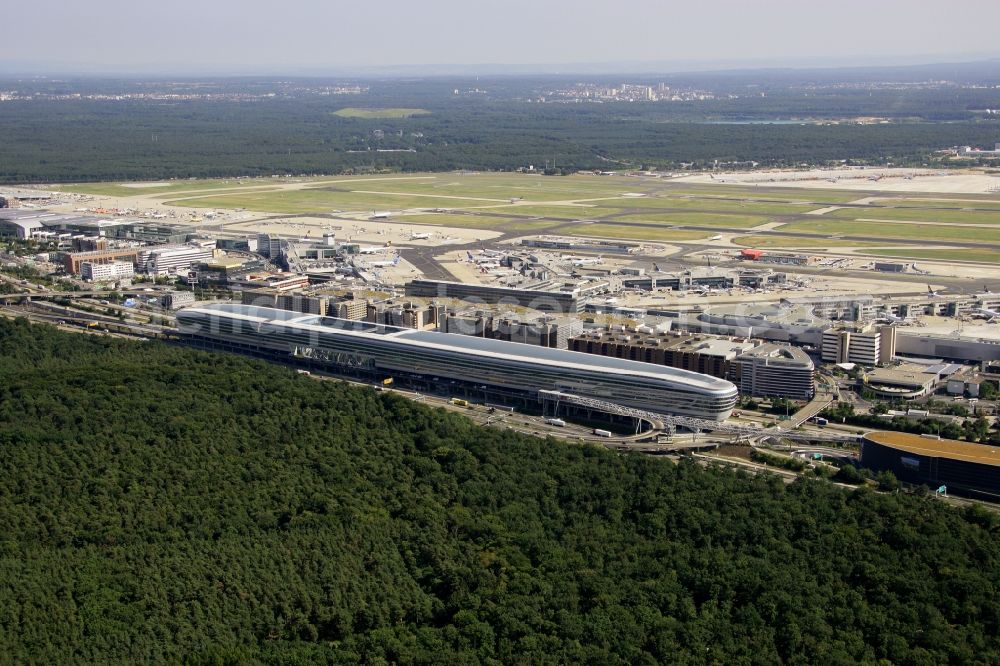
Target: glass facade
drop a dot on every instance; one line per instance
(490, 362)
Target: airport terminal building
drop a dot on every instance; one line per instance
(501, 368)
(547, 296)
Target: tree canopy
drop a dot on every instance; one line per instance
(161, 504)
(70, 140)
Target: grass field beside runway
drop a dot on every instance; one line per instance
(559, 201)
(895, 231)
(709, 204)
(720, 221)
(588, 212)
(631, 233)
(504, 187)
(294, 202)
(917, 215)
(920, 202)
(444, 191)
(493, 223)
(171, 188)
(791, 242)
(788, 194)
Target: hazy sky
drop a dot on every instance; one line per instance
(217, 36)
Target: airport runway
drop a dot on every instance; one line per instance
(612, 220)
(423, 260)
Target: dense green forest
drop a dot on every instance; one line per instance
(160, 504)
(79, 139)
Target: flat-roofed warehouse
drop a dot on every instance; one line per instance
(508, 368)
(965, 468)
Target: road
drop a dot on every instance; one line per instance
(819, 402)
(526, 424)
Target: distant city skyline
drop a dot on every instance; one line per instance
(318, 36)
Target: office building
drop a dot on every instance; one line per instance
(155, 233)
(173, 300)
(274, 281)
(351, 308)
(72, 261)
(403, 315)
(705, 354)
(292, 302)
(109, 272)
(238, 244)
(171, 259)
(867, 345)
(547, 332)
(269, 246)
(771, 370)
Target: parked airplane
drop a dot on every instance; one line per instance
(384, 264)
(985, 313)
(373, 249)
(484, 256)
(582, 261)
(716, 238)
(376, 215)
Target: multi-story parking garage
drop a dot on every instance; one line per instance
(962, 467)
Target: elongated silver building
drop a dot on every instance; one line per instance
(509, 367)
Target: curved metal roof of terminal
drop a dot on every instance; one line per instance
(457, 342)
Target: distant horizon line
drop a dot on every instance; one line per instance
(623, 67)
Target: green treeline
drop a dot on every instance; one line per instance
(972, 429)
(100, 140)
(160, 504)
